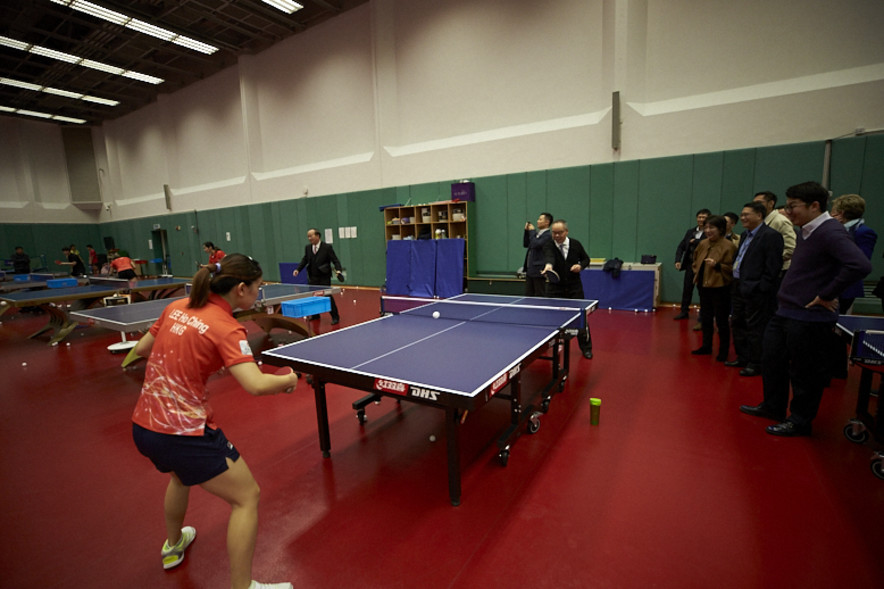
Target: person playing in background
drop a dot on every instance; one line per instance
(754, 296)
(123, 267)
(849, 210)
(93, 259)
(713, 273)
(794, 349)
(534, 240)
(567, 258)
(215, 255)
(74, 261)
(684, 256)
(319, 258)
(21, 262)
(173, 424)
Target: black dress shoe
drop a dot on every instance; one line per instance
(702, 352)
(587, 354)
(737, 363)
(788, 429)
(759, 411)
(336, 320)
(748, 371)
(681, 316)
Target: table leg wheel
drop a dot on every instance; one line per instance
(878, 466)
(504, 457)
(856, 432)
(534, 422)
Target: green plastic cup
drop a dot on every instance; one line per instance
(595, 407)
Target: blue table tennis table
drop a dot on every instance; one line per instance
(36, 280)
(866, 334)
(408, 356)
(57, 303)
(140, 316)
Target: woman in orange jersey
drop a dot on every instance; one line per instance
(173, 423)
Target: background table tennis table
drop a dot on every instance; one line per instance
(36, 280)
(408, 356)
(140, 316)
(866, 333)
(58, 302)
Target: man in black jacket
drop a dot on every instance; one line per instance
(684, 258)
(319, 258)
(757, 269)
(568, 258)
(534, 240)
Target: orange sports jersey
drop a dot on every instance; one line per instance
(190, 345)
(122, 263)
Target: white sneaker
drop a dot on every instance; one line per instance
(173, 555)
(257, 585)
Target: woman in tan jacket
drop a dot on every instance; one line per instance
(713, 273)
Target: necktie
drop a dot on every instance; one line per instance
(562, 249)
(315, 249)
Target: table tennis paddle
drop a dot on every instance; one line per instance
(340, 276)
(552, 276)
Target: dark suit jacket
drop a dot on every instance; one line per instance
(684, 253)
(570, 285)
(865, 238)
(761, 263)
(319, 265)
(534, 256)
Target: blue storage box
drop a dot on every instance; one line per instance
(61, 282)
(21, 278)
(306, 306)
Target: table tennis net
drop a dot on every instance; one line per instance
(515, 314)
(868, 347)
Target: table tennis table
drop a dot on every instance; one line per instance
(140, 316)
(36, 280)
(866, 334)
(410, 356)
(59, 302)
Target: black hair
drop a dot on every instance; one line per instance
(719, 223)
(809, 192)
(220, 278)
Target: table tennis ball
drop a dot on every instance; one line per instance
(24, 363)
(432, 438)
(435, 314)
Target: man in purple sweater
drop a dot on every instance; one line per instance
(825, 262)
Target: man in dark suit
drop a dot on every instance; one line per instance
(684, 258)
(568, 258)
(319, 258)
(534, 240)
(757, 269)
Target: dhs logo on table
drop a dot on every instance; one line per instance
(391, 386)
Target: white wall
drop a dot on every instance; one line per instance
(400, 92)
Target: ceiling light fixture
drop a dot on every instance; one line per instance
(287, 6)
(40, 115)
(138, 25)
(58, 92)
(67, 57)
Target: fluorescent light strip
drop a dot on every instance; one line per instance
(139, 25)
(41, 115)
(287, 6)
(57, 92)
(67, 57)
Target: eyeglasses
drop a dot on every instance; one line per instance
(788, 208)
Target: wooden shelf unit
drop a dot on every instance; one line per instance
(438, 220)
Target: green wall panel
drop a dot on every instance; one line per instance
(624, 221)
(568, 198)
(601, 212)
(491, 235)
(781, 166)
(738, 177)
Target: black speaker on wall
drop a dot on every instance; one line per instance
(109, 243)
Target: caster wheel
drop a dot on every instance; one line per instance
(504, 457)
(878, 468)
(856, 433)
(534, 422)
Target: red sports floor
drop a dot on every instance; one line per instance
(674, 488)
